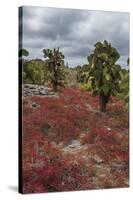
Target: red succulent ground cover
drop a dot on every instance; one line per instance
(51, 164)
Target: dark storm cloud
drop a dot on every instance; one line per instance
(74, 31)
(51, 23)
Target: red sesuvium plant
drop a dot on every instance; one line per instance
(51, 126)
(109, 145)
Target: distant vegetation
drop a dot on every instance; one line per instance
(101, 76)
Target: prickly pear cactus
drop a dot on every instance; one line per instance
(104, 74)
(55, 60)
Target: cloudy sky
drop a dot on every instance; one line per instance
(74, 31)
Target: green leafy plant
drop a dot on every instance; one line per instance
(104, 74)
(35, 72)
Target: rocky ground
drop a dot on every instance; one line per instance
(36, 90)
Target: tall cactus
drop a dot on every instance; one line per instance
(104, 74)
(55, 60)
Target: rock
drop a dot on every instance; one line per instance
(46, 128)
(32, 86)
(43, 92)
(51, 93)
(109, 129)
(88, 106)
(74, 144)
(26, 86)
(35, 105)
(97, 159)
(41, 88)
(72, 147)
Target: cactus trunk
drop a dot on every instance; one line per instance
(102, 102)
(55, 80)
(55, 84)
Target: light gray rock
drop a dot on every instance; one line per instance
(51, 93)
(43, 92)
(97, 158)
(74, 144)
(26, 86)
(34, 90)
